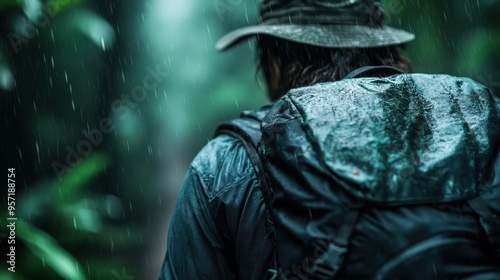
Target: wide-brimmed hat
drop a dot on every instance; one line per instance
(323, 23)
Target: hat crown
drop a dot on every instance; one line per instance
(341, 12)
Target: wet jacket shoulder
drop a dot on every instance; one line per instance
(218, 226)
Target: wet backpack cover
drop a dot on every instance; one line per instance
(371, 178)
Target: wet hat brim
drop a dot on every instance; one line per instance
(330, 36)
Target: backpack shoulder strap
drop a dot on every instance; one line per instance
(489, 223)
(488, 216)
(371, 71)
(247, 130)
(330, 261)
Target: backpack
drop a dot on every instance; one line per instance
(394, 177)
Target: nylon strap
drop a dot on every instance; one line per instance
(250, 142)
(489, 222)
(329, 263)
(363, 71)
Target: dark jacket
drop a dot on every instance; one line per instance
(218, 229)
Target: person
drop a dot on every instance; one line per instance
(355, 171)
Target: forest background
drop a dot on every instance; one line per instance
(104, 104)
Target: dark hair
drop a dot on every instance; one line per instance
(297, 65)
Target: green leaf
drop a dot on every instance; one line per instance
(45, 248)
(71, 183)
(64, 4)
(9, 276)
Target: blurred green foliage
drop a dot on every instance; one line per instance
(46, 249)
(9, 3)
(107, 216)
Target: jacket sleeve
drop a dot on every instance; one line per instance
(195, 247)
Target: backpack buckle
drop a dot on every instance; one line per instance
(328, 264)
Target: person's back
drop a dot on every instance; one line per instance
(354, 172)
